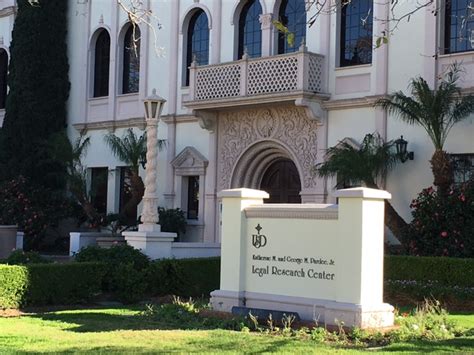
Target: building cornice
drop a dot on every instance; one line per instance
(344, 104)
(138, 122)
(7, 11)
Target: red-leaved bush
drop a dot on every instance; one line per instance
(443, 225)
(32, 208)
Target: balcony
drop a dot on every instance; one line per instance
(294, 77)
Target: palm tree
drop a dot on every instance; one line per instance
(437, 111)
(364, 165)
(76, 173)
(71, 154)
(131, 150)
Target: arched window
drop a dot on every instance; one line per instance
(131, 60)
(250, 30)
(356, 32)
(292, 15)
(102, 64)
(3, 77)
(197, 41)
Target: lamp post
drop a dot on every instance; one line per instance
(153, 108)
(149, 238)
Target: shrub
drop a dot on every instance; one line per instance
(126, 269)
(21, 257)
(43, 284)
(33, 209)
(448, 271)
(63, 283)
(172, 220)
(13, 285)
(184, 277)
(443, 225)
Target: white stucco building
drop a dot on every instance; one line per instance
(254, 111)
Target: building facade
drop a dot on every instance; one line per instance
(247, 106)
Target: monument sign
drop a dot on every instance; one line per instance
(324, 262)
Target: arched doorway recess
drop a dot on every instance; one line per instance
(256, 169)
(282, 182)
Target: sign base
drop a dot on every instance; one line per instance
(309, 309)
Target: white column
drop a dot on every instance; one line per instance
(210, 201)
(380, 58)
(267, 34)
(172, 106)
(113, 63)
(113, 190)
(216, 32)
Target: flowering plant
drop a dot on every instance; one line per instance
(33, 209)
(443, 224)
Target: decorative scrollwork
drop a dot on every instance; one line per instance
(286, 125)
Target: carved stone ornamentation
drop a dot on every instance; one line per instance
(286, 126)
(266, 21)
(189, 162)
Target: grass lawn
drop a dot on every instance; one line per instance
(125, 330)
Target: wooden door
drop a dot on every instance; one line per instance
(282, 182)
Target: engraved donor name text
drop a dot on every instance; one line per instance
(307, 267)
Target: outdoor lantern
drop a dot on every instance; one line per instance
(402, 153)
(153, 106)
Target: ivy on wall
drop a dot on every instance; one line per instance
(38, 92)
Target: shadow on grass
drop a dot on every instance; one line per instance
(97, 322)
(464, 345)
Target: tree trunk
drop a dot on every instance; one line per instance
(395, 223)
(137, 189)
(393, 220)
(442, 171)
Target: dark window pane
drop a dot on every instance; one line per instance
(356, 33)
(131, 60)
(98, 192)
(250, 31)
(463, 167)
(459, 23)
(198, 41)
(293, 16)
(193, 197)
(101, 64)
(3, 77)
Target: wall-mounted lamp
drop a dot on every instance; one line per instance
(402, 153)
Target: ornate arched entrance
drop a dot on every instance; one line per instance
(269, 166)
(282, 182)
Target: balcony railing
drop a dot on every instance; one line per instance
(299, 72)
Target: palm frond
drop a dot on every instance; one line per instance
(402, 106)
(436, 110)
(131, 148)
(373, 159)
(118, 146)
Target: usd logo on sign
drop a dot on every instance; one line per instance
(259, 240)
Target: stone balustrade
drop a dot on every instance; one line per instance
(299, 72)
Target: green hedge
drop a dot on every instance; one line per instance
(13, 285)
(184, 277)
(43, 284)
(448, 271)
